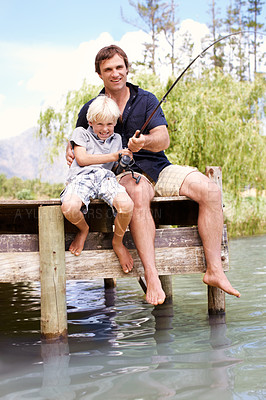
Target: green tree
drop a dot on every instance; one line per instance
(254, 10)
(169, 24)
(216, 23)
(150, 12)
(215, 121)
(57, 125)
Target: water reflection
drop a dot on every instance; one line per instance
(56, 378)
(119, 347)
(164, 372)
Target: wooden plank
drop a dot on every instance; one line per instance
(91, 264)
(19, 243)
(56, 202)
(21, 216)
(170, 237)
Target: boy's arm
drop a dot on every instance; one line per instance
(83, 158)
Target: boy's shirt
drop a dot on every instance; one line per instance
(88, 139)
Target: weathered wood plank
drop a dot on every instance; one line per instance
(170, 237)
(50, 202)
(91, 264)
(21, 216)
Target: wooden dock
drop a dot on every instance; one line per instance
(34, 238)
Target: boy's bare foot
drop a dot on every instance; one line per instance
(124, 256)
(155, 294)
(77, 245)
(219, 280)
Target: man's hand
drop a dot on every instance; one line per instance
(69, 154)
(135, 144)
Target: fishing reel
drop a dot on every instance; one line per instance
(124, 164)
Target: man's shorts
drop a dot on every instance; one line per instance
(100, 183)
(171, 179)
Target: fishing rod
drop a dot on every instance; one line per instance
(180, 76)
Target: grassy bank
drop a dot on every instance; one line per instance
(246, 215)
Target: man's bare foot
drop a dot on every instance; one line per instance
(155, 294)
(219, 280)
(124, 256)
(77, 245)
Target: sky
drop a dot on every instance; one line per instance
(48, 47)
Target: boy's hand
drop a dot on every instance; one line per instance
(123, 152)
(126, 152)
(135, 144)
(69, 154)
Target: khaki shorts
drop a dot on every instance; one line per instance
(120, 176)
(171, 179)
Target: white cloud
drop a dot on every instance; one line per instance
(15, 120)
(2, 99)
(44, 74)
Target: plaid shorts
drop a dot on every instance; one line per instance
(171, 179)
(100, 183)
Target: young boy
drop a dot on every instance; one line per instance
(96, 150)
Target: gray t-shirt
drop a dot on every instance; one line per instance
(88, 139)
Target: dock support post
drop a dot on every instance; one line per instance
(52, 273)
(109, 283)
(216, 296)
(166, 280)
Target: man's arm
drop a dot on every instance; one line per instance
(157, 140)
(69, 154)
(81, 121)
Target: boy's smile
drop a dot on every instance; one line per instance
(103, 129)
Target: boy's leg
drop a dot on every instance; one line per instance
(71, 209)
(124, 207)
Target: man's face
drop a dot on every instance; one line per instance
(113, 73)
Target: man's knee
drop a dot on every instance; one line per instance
(212, 193)
(201, 189)
(142, 195)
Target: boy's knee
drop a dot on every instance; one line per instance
(126, 206)
(69, 207)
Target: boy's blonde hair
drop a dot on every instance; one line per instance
(103, 108)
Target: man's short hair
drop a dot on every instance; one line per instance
(108, 52)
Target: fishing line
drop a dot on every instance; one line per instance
(185, 70)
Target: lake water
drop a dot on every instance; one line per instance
(119, 347)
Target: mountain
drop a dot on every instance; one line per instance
(25, 156)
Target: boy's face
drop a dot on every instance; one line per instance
(103, 129)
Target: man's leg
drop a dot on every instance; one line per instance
(210, 226)
(142, 228)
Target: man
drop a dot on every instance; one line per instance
(136, 105)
